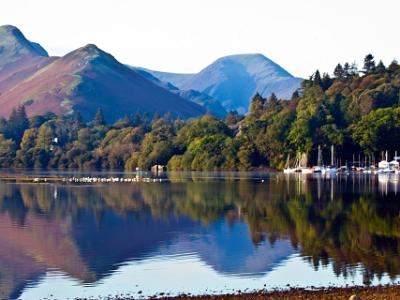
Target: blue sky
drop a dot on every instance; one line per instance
(186, 35)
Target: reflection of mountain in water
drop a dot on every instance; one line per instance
(29, 251)
(88, 232)
(118, 239)
(229, 249)
(236, 227)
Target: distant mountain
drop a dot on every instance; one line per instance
(19, 58)
(177, 79)
(89, 78)
(83, 80)
(234, 79)
(212, 105)
(14, 46)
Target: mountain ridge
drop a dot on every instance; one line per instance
(234, 79)
(212, 105)
(14, 46)
(84, 77)
(83, 80)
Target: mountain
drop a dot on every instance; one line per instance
(19, 58)
(234, 79)
(177, 79)
(83, 80)
(15, 47)
(212, 105)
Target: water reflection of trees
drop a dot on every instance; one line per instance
(340, 221)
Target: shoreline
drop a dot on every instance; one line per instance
(380, 292)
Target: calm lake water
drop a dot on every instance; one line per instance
(197, 233)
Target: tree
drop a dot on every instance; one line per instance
(346, 70)
(45, 138)
(205, 153)
(326, 81)
(17, 123)
(28, 142)
(7, 151)
(394, 66)
(339, 72)
(380, 68)
(247, 155)
(99, 118)
(295, 95)
(272, 100)
(232, 118)
(378, 131)
(369, 64)
(257, 104)
(317, 78)
(353, 69)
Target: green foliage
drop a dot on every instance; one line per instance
(378, 130)
(7, 151)
(352, 112)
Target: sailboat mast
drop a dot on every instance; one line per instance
(319, 162)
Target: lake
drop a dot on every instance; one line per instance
(197, 233)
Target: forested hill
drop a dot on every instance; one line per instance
(357, 111)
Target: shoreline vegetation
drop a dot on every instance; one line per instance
(356, 111)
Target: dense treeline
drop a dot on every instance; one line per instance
(356, 111)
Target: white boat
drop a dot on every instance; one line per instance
(386, 167)
(307, 170)
(300, 165)
(344, 169)
(303, 162)
(288, 169)
(318, 168)
(331, 169)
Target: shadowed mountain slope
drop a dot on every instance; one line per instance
(210, 104)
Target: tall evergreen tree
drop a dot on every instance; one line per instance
(347, 70)
(317, 78)
(17, 124)
(369, 64)
(339, 72)
(326, 81)
(380, 68)
(353, 71)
